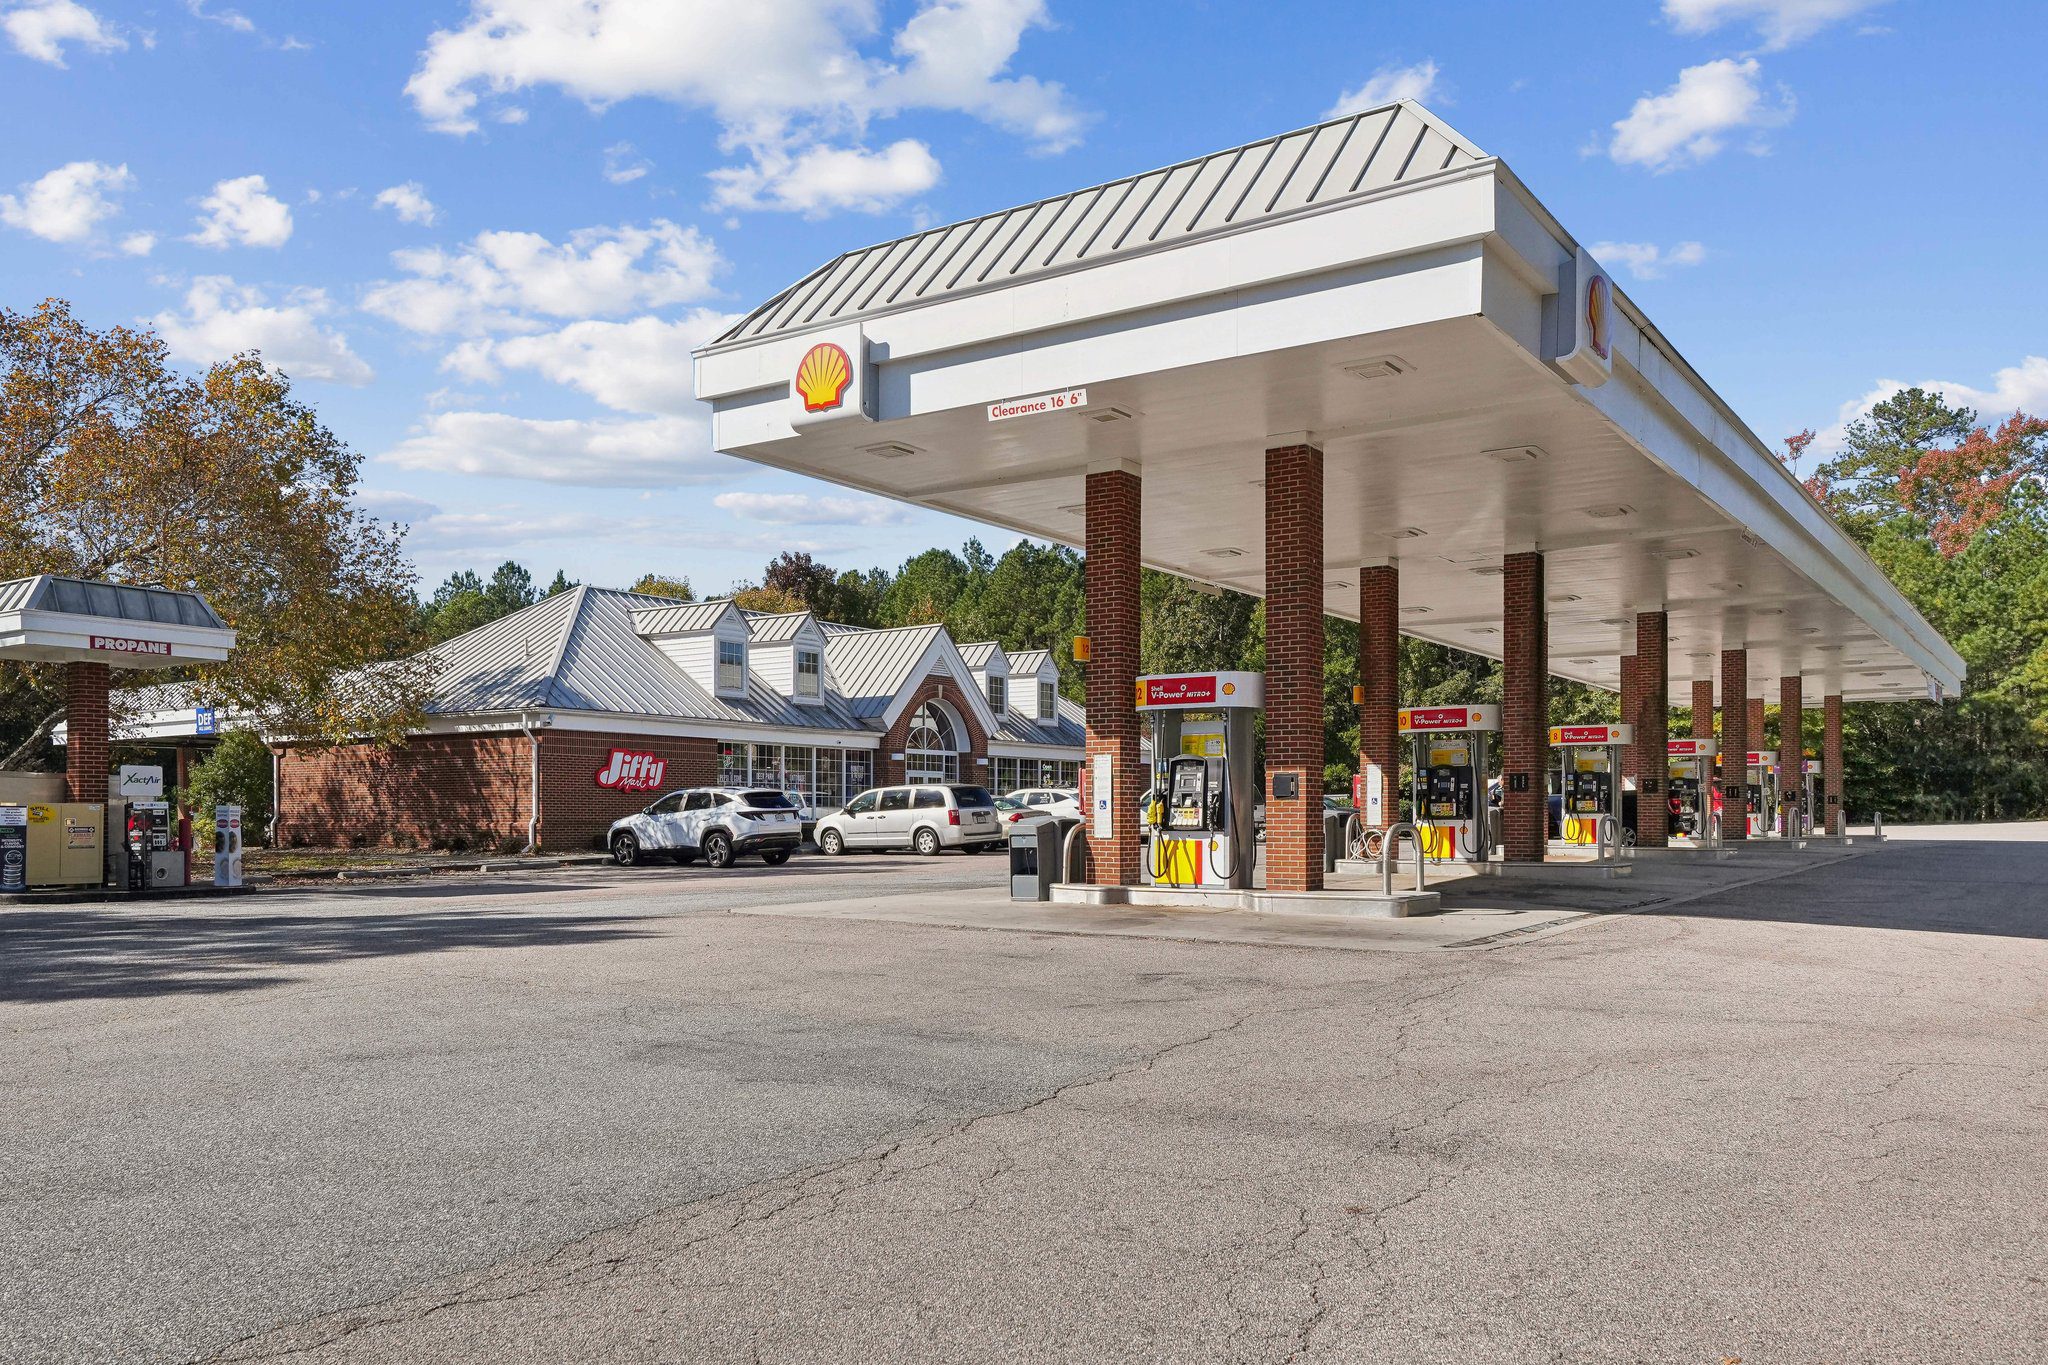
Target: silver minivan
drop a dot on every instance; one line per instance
(928, 818)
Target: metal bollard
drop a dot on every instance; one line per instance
(1390, 852)
(1606, 835)
(1067, 846)
(1877, 827)
(1354, 838)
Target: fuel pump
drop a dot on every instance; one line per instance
(1589, 778)
(1447, 782)
(1763, 794)
(1691, 764)
(1811, 773)
(1199, 817)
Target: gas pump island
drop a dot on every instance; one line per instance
(1589, 778)
(1691, 764)
(1762, 780)
(1447, 790)
(1200, 809)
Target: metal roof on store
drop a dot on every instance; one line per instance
(1378, 285)
(869, 667)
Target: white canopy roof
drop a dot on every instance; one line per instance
(1380, 284)
(52, 619)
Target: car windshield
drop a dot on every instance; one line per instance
(972, 797)
(766, 801)
(1005, 804)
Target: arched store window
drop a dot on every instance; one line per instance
(931, 751)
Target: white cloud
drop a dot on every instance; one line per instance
(638, 366)
(498, 279)
(66, 204)
(242, 212)
(226, 18)
(785, 79)
(392, 505)
(1780, 23)
(1647, 260)
(656, 452)
(805, 509)
(2015, 388)
(40, 28)
(409, 201)
(1693, 119)
(818, 180)
(1384, 86)
(138, 244)
(222, 318)
(623, 165)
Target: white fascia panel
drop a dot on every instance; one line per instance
(1052, 751)
(62, 636)
(667, 727)
(1405, 221)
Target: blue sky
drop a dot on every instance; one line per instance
(483, 235)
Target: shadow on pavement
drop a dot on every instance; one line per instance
(87, 953)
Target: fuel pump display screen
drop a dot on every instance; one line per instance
(1189, 794)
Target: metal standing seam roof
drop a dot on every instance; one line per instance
(1353, 155)
(1070, 733)
(116, 601)
(1029, 660)
(978, 654)
(869, 667)
(670, 617)
(766, 629)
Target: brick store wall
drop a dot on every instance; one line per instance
(1294, 666)
(1114, 504)
(889, 770)
(1525, 709)
(575, 812)
(433, 791)
(1379, 659)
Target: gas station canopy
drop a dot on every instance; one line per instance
(1376, 285)
(48, 619)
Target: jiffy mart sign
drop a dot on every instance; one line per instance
(632, 770)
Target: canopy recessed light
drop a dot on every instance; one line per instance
(1608, 513)
(1702, 654)
(1676, 554)
(1109, 415)
(1766, 611)
(1809, 630)
(1415, 611)
(1409, 533)
(1489, 571)
(1075, 509)
(1725, 587)
(1566, 597)
(1379, 367)
(1224, 552)
(1516, 454)
(1585, 661)
(890, 450)
(1827, 647)
(1485, 630)
(1337, 583)
(1614, 620)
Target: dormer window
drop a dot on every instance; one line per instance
(732, 666)
(998, 694)
(810, 674)
(1048, 703)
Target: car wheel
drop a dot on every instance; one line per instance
(831, 844)
(718, 849)
(1628, 838)
(625, 849)
(927, 842)
(775, 857)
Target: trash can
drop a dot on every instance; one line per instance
(1333, 837)
(1026, 883)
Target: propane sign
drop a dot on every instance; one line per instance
(120, 644)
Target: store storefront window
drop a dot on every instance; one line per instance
(931, 753)
(732, 765)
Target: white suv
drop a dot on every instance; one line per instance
(927, 818)
(715, 823)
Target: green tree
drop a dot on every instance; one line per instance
(236, 773)
(654, 585)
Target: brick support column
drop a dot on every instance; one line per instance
(1631, 702)
(1757, 725)
(1379, 674)
(1114, 501)
(1735, 717)
(1525, 709)
(1652, 723)
(1831, 763)
(1703, 708)
(1294, 667)
(1791, 753)
(85, 723)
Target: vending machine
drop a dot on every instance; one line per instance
(1691, 763)
(1448, 777)
(1589, 779)
(227, 846)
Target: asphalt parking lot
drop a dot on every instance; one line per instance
(657, 1114)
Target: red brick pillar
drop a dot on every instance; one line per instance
(85, 723)
(1791, 752)
(1703, 708)
(1652, 723)
(1631, 701)
(1831, 762)
(1114, 500)
(1525, 709)
(1757, 724)
(1379, 678)
(1735, 718)
(1294, 667)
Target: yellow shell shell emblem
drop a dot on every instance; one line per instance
(1599, 314)
(822, 377)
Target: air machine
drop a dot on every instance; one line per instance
(1691, 764)
(1447, 785)
(1589, 778)
(1199, 813)
(1811, 775)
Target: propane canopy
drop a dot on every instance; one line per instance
(51, 619)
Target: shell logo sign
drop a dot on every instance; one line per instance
(822, 377)
(1584, 322)
(1599, 316)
